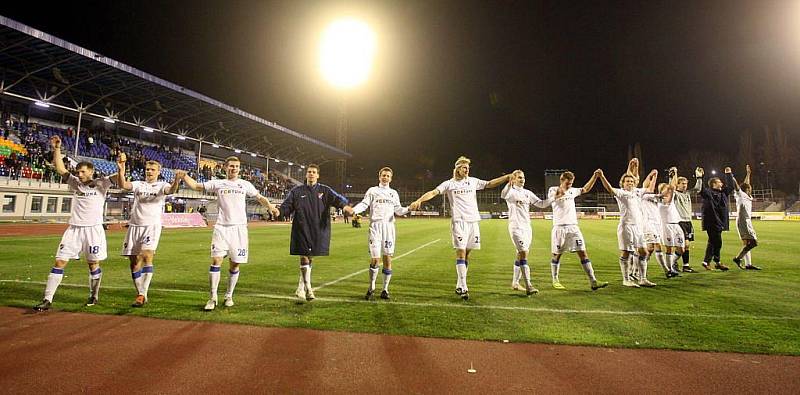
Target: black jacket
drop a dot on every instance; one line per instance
(311, 224)
(715, 204)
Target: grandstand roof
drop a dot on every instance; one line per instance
(39, 67)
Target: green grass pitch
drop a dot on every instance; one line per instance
(735, 311)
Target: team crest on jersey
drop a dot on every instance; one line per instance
(320, 194)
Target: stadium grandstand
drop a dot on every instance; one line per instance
(101, 107)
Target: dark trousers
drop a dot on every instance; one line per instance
(714, 246)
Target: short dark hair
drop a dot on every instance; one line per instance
(385, 168)
(85, 164)
(313, 166)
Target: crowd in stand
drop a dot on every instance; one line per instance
(24, 153)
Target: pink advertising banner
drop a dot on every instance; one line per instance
(182, 220)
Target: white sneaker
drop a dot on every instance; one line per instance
(310, 294)
(629, 283)
(515, 286)
(228, 301)
(646, 283)
(210, 305)
(300, 293)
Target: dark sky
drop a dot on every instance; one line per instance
(512, 84)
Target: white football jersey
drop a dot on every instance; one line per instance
(88, 201)
(519, 202)
(630, 205)
(669, 214)
(462, 197)
(650, 209)
(148, 202)
(231, 199)
(564, 207)
(383, 203)
(744, 204)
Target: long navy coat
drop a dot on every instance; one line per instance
(311, 224)
(715, 205)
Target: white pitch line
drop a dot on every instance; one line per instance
(364, 270)
(457, 305)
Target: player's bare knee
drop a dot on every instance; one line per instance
(60, 264)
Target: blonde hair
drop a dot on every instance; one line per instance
(624, 176)
(682, 179)
(462, 160)
(567, 175)
(231, 159)
(153, 162)
(385, 168)
(662, 187)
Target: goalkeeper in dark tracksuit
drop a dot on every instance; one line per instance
(311, 224)
(715, 214)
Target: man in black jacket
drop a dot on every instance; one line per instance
(715, 213)
(311, 224)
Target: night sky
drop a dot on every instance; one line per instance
(529, 85)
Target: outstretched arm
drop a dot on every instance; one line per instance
(58, 161)
(698, 186)
(266, 203)
(192, 184)
(589, 184)
(424, 198)
(498, 181)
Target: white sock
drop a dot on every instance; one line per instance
(373, 275)
(554, 268)
(747, 260)
(526, 274)
(53, 280)
(642, 268)
(461, 273)
(213, 281)
(233, 278)
(387, 276)
(300, 284)
(662, 261)
(147, 276)
(515, 279)
(587, 267)
(623, 267)
(94, 282)
(670, 258)
(631, 265)
(137, 281)
(305, 271)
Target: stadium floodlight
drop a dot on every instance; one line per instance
(215, 145)
(277, 160)
(147, 129)
(346, 52)
(109, 120)
(302, 167)
(253, 154)
(290, 163)
(713, 172)
(238, 151)
(181, 137)
(41, 104)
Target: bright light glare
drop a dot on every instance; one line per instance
(41, 104)
(346, 52)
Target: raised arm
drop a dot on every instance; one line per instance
(650, 181)
(698, 186)
(633, 169)
(730, 181)
(599, 174)
(58, 161)
(191, 183)
(424, 198)
(747, 175)
(493, 183)
(176, 182)
(589, 184)
(120, 179)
